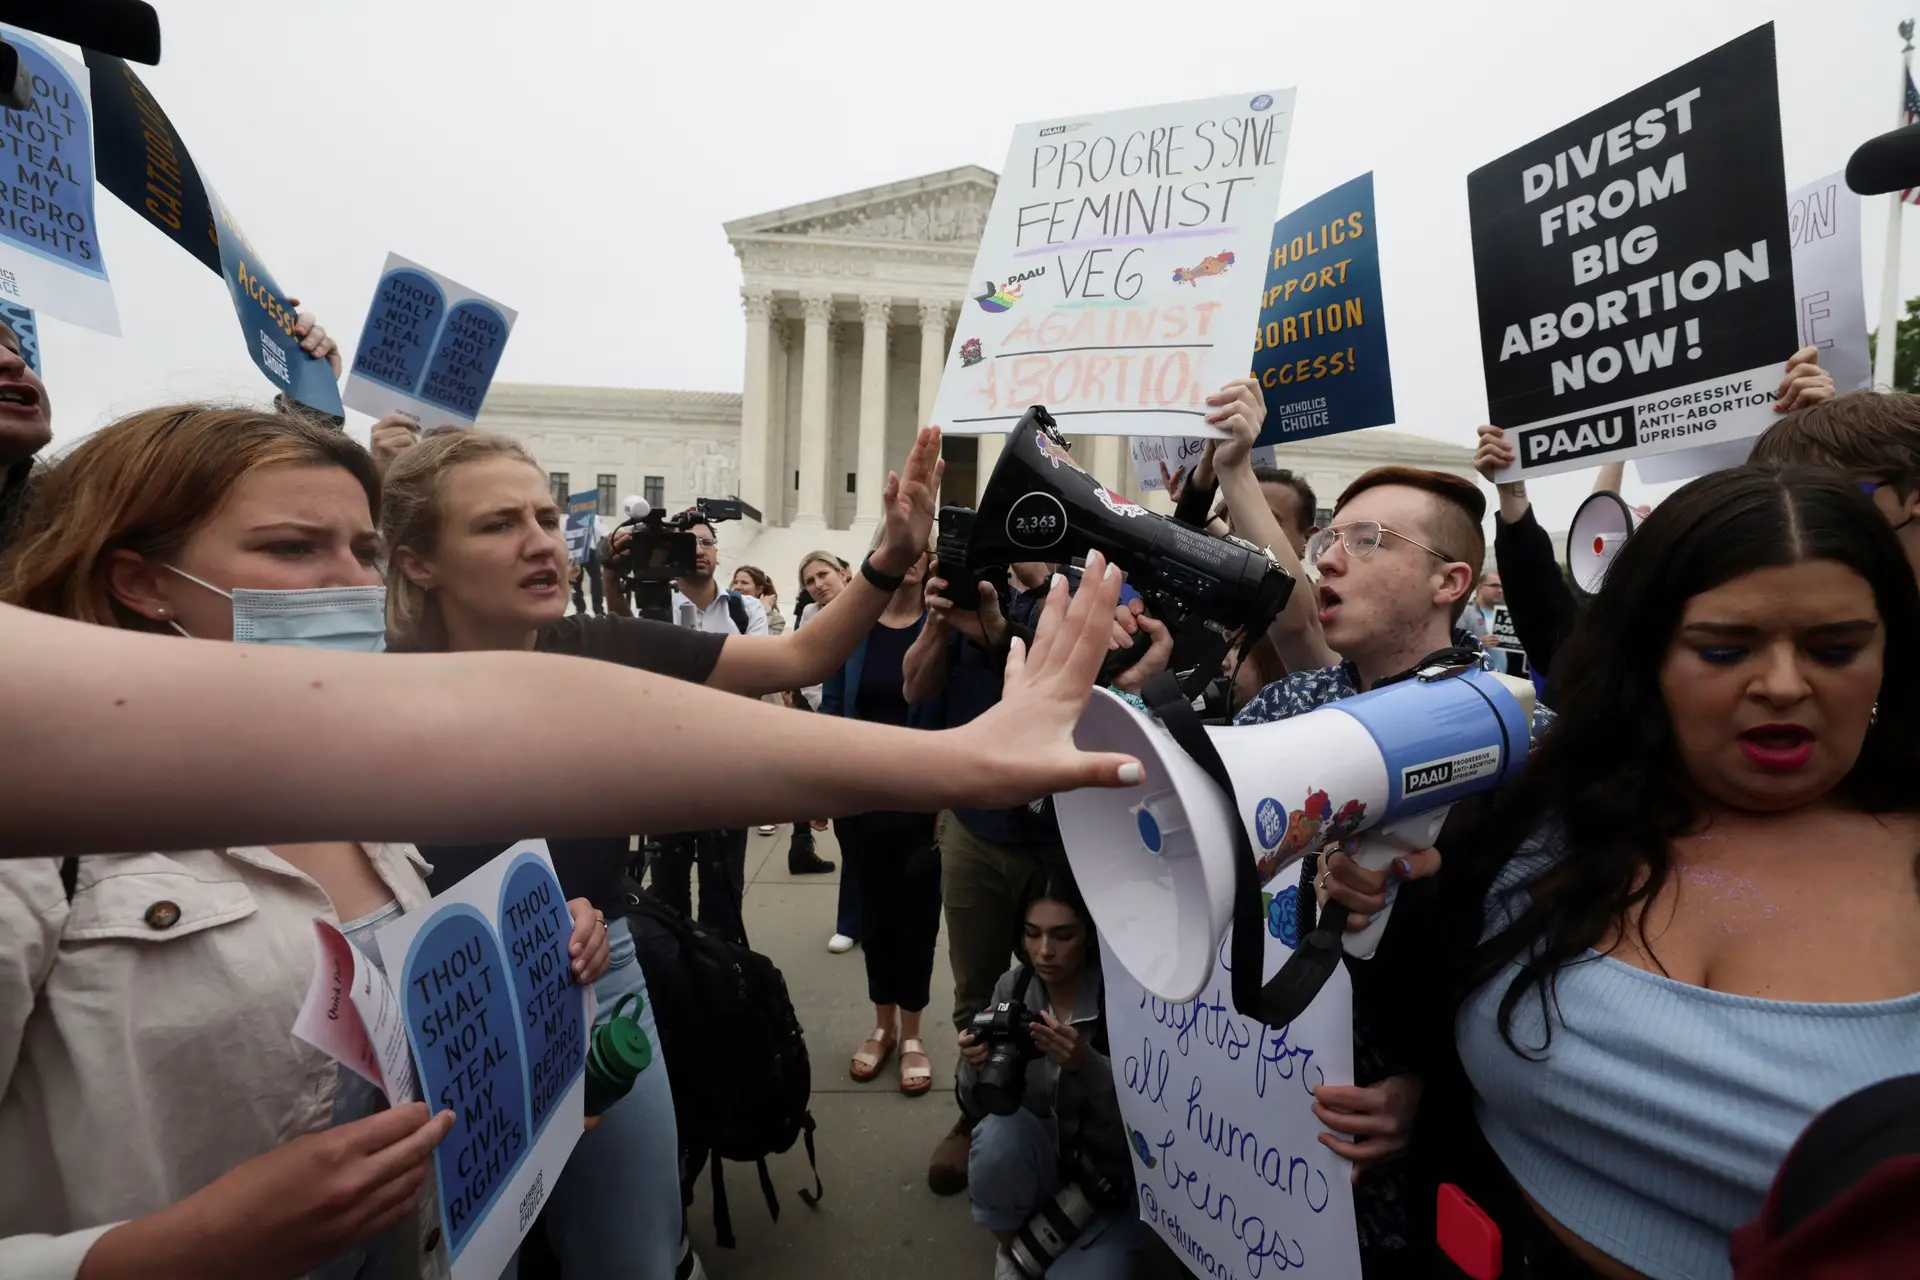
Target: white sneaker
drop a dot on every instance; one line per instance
(689, 1267)
(768, 829)
(839, 944)
(1005, 1268)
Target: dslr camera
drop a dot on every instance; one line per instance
(1002, 1079)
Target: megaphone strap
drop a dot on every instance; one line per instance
(1280, 1001)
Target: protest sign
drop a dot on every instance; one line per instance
(1633, 269)
(1321, 350)
(1823, 220)
(1175, 453)
(1118, 281)
(499, 1033)
(1217, 1106)
(144, 162)
(26, 329)
(50, 256)
(429, 347)
(1506, 641)
(582, 509)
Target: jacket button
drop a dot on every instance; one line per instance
(432, 1241)
(163, 915)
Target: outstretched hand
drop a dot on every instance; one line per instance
(1025, 742)
(911, 499)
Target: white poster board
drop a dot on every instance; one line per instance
(1823, 218)
(1175, 453)
(50, 257)
(1120, 270)
(1219, 1118)
(429, 348)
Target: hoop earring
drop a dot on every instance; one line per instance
(1873, 714)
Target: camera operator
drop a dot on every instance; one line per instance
(1035, 1074)
(699, 603)
(989, 858)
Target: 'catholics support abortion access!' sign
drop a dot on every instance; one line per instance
(1218, 1109)
(1120, 269)
(429, 348)
(1633, 269)
(499, 1036)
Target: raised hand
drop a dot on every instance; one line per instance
(910, 503)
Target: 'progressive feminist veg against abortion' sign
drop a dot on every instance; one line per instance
(1120, 270)
(1633, 269)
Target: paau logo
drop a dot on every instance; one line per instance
(1588, 437)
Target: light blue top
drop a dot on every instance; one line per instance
(1661, 1112)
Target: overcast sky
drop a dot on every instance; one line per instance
(579, 166)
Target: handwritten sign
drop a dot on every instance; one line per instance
(582, 515)
(1321, 349)
(1119, 272)
(429, 348)
(50, 255)
(1175, 453)
(499, 1034)
(1218, 1113)
(1633, 270)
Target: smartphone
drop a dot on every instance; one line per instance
(1469, 1238)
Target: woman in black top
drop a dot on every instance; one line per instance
(891, 856)
(477, 561)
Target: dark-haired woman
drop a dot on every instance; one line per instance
(1708, 928)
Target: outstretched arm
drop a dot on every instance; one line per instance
(116, 740)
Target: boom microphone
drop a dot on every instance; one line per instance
(1890, 162)
(1167, 865)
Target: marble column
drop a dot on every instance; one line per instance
(755, 405)
(810, 509)
(990, 446)
(933, 356)
(1105, 458)
(870, 481)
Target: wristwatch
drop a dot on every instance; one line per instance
(884, 581)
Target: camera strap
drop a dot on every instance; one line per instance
(1280, 1001)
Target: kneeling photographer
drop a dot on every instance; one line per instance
(1049, 1171)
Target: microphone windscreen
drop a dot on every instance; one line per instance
(1890, 162)
(638, 507)
(127, 29)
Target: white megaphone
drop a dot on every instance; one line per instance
(1600, 528)
(1159, 863)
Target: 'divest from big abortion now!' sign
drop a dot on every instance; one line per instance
(1633, 269)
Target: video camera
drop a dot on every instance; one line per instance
(661, 548)
(1040, 504)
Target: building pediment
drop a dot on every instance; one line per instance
(940, 210)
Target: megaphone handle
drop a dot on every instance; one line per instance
(1376, 851)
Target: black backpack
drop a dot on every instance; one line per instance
(736, 1057)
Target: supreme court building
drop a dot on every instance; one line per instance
(850, 304)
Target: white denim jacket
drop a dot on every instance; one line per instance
(145, 1037)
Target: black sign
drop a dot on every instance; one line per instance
(143, 161)
(1640, 249)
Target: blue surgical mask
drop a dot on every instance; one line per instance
(349, 618)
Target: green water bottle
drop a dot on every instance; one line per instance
(616, 1055)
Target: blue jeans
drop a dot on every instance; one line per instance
(1014, 1168)
(615, 1209)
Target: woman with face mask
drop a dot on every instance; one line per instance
(1705, 926)
(147, 1073)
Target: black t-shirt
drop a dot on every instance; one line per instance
(591, 868)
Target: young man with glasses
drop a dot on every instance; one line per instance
(1396, 566)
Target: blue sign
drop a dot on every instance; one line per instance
(48, 210)
(465, 357)
(26, 329)
(460, 1014)
(581, 510)
(267, 322)
(537, 928)
(1321, 352)
(429, 348)
(407, 307)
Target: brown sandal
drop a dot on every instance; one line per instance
(915, 1081)
(872, 1056)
